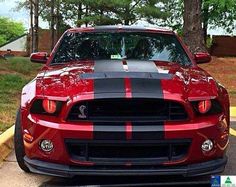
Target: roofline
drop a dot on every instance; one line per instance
(120, 27)
(13, 40)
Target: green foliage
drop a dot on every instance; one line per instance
(220, 13)
(2, 39)
(215, 13)
(208, 42)
(10, 29)
(174, 9)
(101, 12)
(153, 11)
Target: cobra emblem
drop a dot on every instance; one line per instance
(82, 114)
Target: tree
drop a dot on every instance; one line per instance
(192, 29)
(101, 12)
(36, 25)
(70, 13)
(52, 23)
(31, 26)
(153, 11)
(10, 29)
(174, 10)
(215, 14)
(35, 10)
(218, 13)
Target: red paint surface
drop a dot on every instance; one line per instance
(63, 83)
(128, 92)
(128, 130)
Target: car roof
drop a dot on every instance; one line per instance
(121, 27)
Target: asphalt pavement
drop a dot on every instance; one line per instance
(11, 175)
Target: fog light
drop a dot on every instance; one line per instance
(207, 145)
(46, 145)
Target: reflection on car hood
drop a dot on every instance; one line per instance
(80, 78)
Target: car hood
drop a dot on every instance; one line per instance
(81, 78)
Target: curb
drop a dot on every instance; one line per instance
(232, 111)
(6, 143)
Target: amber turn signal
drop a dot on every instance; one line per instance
(204, 106)
(49, 106)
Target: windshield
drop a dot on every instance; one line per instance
(120, 45)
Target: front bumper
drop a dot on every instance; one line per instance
(204, 168)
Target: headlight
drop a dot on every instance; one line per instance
(204, 106)
(207, 107)
(49, 106)
(46, 106)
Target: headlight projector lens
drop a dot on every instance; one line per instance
(207, 145)
(46, 145)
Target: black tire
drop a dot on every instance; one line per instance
(19, 145)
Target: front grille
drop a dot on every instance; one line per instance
(128, 152)
(127, 110)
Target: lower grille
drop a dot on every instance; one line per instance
(136, 109)
(128, 152)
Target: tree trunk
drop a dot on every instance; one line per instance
(52, 24)
(58, 21)
(126, 21)
(86, 14)
(205, 22)
(36, 25)
(79, 14)
(193, 32)
(205, 26)
(31, 28)
(127, 15)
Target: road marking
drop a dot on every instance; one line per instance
(233, 111)
(232, 132)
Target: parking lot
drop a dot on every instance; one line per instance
(11, 175)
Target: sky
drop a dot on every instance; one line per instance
(7, 10)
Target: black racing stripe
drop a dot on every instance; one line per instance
(146, 88)
(108, 66)
(147, 131)
(107, 88)
(109, 131)
(141, 66)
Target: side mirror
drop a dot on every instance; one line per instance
(202, 57)
(39, 57)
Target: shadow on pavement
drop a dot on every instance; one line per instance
(105, 181)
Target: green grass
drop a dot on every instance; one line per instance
(14, 74)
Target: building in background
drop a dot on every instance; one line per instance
(15, 47)
(21, 46)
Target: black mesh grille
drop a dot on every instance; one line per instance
(127, 110)
(135, 152)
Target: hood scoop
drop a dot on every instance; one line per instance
(135, 75)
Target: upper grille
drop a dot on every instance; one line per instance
(135, 109)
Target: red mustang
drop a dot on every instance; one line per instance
(120, 100)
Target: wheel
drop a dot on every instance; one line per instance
(18, 143)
